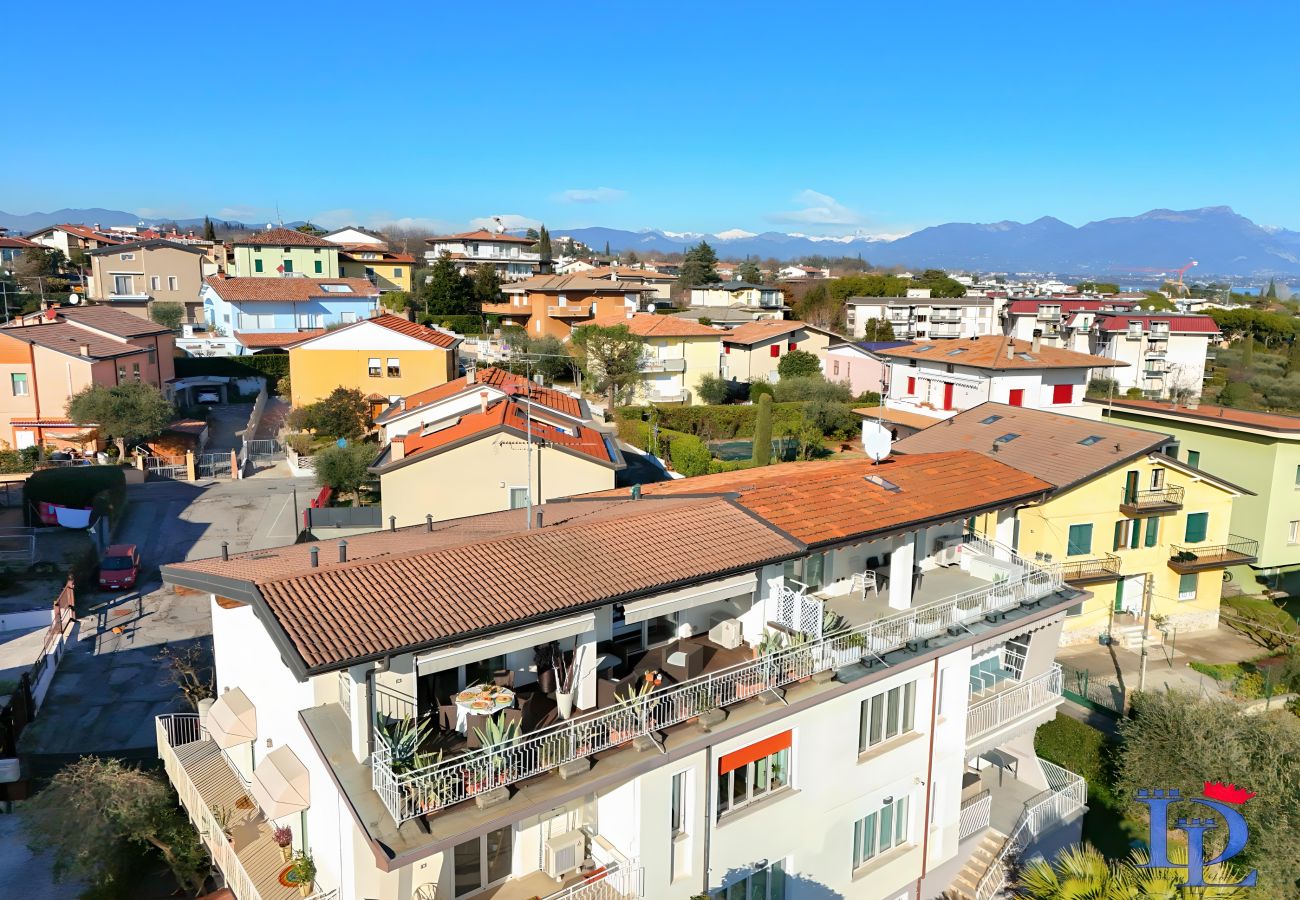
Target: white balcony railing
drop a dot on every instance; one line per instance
(615, 881)
(974, 816)
(1037, 694)
(460, 778)
(652, 364)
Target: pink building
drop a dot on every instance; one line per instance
(857, 364)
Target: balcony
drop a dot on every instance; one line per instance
(948, 318)
(569, 312)
(249, 860)
(1091, 571)
(663, 365)
(1161, 500)
(667, 397)
(1049, 315)
(1015, 705)
(507, 309)
(1238, 551)
(987, 583)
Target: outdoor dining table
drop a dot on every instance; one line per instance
(481, 700)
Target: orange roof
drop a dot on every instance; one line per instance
(580, 282)
(276, 338)
(990, 352)
(491, 377)
(482, 234)
(1249, 418)
(761, 330)
(444, 339)
(828, 501)
(648, 325)
(242, 290)
(284, 237)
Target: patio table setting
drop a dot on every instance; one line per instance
(481, 700)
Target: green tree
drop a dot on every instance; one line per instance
(762, 449)
(345, 413)
(804, 388)
(1271, 293)
(446, 292)
(546, 356)
(1097, 287)
(939, 283)
(94, 808)
(819, 308)
(611, 357)
(1248, 353)
(1235, 393)
(878, 330)
(630, 257)
(699, 266)
(487, 285)
(167, 314)
(1293, 359)
(395, 301)
(544, 244)
(1158, 301)
(344, 469)
(309, 228)
(689, 455)
(607, 249)
(712, 389)
(798, 364)
(748, 271)
(127, 412)
(209, 232)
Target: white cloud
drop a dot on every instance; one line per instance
(818, 209)
(509, 220)
(590, 195)
(252, 215)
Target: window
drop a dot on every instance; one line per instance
(135, 371)
(887, 715)
(678, 820)
(257, 265)
(1128, 534)
(1016, 397)
(317, 265)
(123, 284)
(373, 366)
(1297, 476)
(482, 861)
(1062, 393)
(793, 346)
(753, 772)
(397, 271)
(1007, 438)
(151, 357)
(1197, 525)
(835, 367)
(172, 283)
(775, 350)
(154, 282)
(1194, 458)
(1090, 440)
(880, 831)
(1292, 530)
(126, 257)
(394, 367)
(518, 497)
(18, 381)
(347, 318)
(1157, 479)
(286, 266)
(1079, 542)
(767, 883)
(1187, 586)
(121, 374)
(1153, 531)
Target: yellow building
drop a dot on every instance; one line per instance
(477, 461)
(679, 352)
(386, 358)
(1145, 534)
(752, 352)
(283, 251)
(385, 269)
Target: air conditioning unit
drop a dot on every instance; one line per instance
(947, 550)
(564, 853)
(726, 634)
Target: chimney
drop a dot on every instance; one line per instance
(392, 523)
(315, 557)
(410, 314)
(471, 374)
(1037, 343)
(225, 550)
(85, 349)
(1011, 348)
(539, 517)
(397, 449)
(343, 551)
(483, 402)
(428, 522)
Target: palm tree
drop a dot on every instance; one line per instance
(1082, 873)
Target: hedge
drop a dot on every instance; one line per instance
(714, 423)
(271, 366)
(102, 488)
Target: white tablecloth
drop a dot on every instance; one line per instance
(464, 710)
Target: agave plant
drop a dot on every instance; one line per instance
(634, 699)
(498, 733)
(405, 737)
(832, 622)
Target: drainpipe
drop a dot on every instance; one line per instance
(929, 773)
(708, 814)
(379, 666)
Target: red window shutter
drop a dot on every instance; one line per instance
(793, 346)
(1016, 397)
(775, 744)
(911, 385)
(726, 348)
(776, 349)
(1062, 393)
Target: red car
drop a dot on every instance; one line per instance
(119, 567)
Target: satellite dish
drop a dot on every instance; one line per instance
(876, 440)
(74, 299)
(650, 307)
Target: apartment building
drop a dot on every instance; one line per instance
(1064, 322)
(940, 378)
(386, 269)
(752, 351)
(761, 298)
(730, 669)
(271, 313)
(72, 240)
(133, 276)
(556, 304)
(1147, 535)
(678, 353)
(508, 254)
(49, 356)
(661, 283)
(284, 252)
(1257, 450)
(857, 364)
(13, 248)
(1163, 355)
(925, 318)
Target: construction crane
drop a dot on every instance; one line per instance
(1181, 288)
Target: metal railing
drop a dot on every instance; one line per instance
(652, 364)
(1169, 495)
(1066, 794)
(1038, 693)
(1107, 566)
(613, 882)
(1208, 554)
(974, 816)
(410, 794)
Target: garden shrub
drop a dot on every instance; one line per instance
(689, 455)
(1075, 746)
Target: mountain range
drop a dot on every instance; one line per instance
(1156, 242)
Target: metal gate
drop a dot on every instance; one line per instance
(161, 467)
(262, 449)
(1103, 693)
(212, 465)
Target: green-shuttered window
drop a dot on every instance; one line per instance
(1080, 540)
(1197, 526)
(319, 266)
(257, 265)
(1194, 458)
(1153, 531)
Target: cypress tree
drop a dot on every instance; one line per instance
(762, 451)
(209, 233)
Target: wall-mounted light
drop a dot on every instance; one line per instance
(268, 743)
(888, 800)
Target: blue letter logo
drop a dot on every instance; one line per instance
(1158, 802)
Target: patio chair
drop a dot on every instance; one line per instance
(504, 678)
(447, 717)
(685, 661)
(474, 724)
(864, 580)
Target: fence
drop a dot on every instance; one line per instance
(1038, 693)
(343, 517)
(17, 545)
(213, 465)
(166, 467)
(1103, 693)
(974, 816)
(34, 684)
(434, 787)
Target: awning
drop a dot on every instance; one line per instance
(280, 784)
(232, 719)
(508, 642)
(663, 604)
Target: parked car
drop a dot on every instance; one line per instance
(209, 397)
(120, 567)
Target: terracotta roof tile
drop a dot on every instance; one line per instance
(284, 237)
(481, 234)
(1177, 323)
(648, 325)
(578, 282)
(761, 330)
(111, 321)
(491, 377)
(276, 338)
(66, 337)
(990, 352)
(245, 290)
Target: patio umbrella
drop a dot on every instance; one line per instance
(232, 719)
(281, 784)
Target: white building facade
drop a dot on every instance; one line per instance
(1164, 356)
(508, 254)
(924, 318)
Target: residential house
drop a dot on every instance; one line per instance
(384, 268)
(272, 313)
(134, 276)
(942, 669)
(12, 248)
(1123, 519)
(1259, 451)
(284, 251)
(752, 352)
(924, 318)
(47, 357)
(354, 234)
(762, 297)
(678, 354)
(792, 272)
(463, 394)
(857, 364)
(661, 283)
(556, 304)
(385, 358)
(1163, 354)
(508, 254)
(73, 240)
(1060, 321)
(575, 266)
(940, 378)
(480, 460)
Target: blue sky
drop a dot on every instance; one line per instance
(698, 116)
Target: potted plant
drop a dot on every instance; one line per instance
(566, 680)
(225, 817)
(544, 659)
(303, 873)
(283, 836)
(636, 701)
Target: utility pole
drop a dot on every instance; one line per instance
(1146, 630)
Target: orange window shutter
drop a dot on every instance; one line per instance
(746, 755)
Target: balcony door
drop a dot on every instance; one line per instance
(483, 861)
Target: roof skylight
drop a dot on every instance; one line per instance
(1007, 438)
(1090, 440)
(989, 420)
